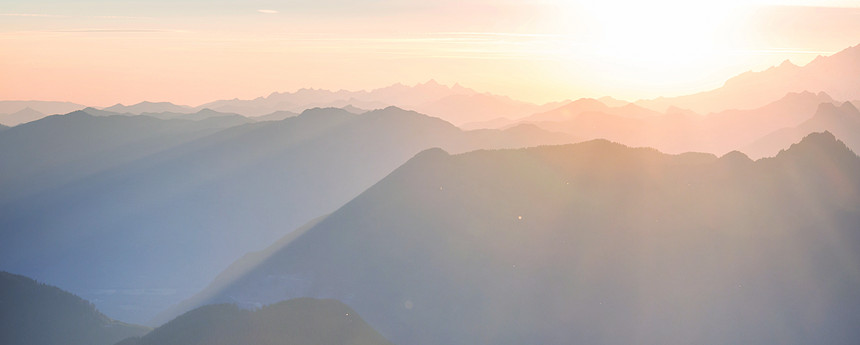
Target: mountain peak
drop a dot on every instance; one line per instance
(787, 63)
(817, 145)
(825, 108)
(848, 107)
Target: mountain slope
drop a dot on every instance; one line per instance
(149, 107)
(44, 107)
(297, 321)
(207, 202)
(588, 243)
(679, 131)
(37, 314)
(460, 109)
(835, 75)
(455, 104)
(586, 105)
(22, 116)
(61, 148)
(843, 121)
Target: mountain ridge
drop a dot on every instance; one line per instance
(517, 245)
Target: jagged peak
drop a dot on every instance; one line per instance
(825, 107)
(815, 144)
(848, 107)
(787, 63)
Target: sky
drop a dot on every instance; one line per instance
(190, 52)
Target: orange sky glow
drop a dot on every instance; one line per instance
(191, 52)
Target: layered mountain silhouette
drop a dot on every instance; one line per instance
(455, 104)
(149, 107)
(679, 131)
(44, 107)
(169, 221)
(297, 321)
(835, 75)
(32, 313)
(587, 105)
(843, 121)
(203, 114)
(59, 149)
(586, 243)
(22, 116)
(461, 109)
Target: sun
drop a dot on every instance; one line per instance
(667, 43)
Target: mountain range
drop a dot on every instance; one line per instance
(585, 243)
(29, 109)
(679, 131)
(843, 121)
(834, 75)
(150, 193)
(32, 313)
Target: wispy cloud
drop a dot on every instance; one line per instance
(44, 15)
(268, 11)
(120, 30)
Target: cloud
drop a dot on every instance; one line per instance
(120, 31)
(31, 15)
(268, 11)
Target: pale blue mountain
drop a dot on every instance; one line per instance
(169, 221)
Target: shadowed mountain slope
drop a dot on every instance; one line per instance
(169, 222)
(62, 148)
(37, 314)
(297, 321)
(586, 243)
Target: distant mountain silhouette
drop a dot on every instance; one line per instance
(22, 116)
(276, 116)
(398, 94)
(150, 107)
(460, 109)
(37, 314)
(585, 105)
(207, 201)
(835, 75)
(586, 243)
(679, 130)
(454, 104)
(297, 321)
(44, 107)
(842, 121)
(353, 109)
(202, 114)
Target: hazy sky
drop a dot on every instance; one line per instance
(192, 51)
